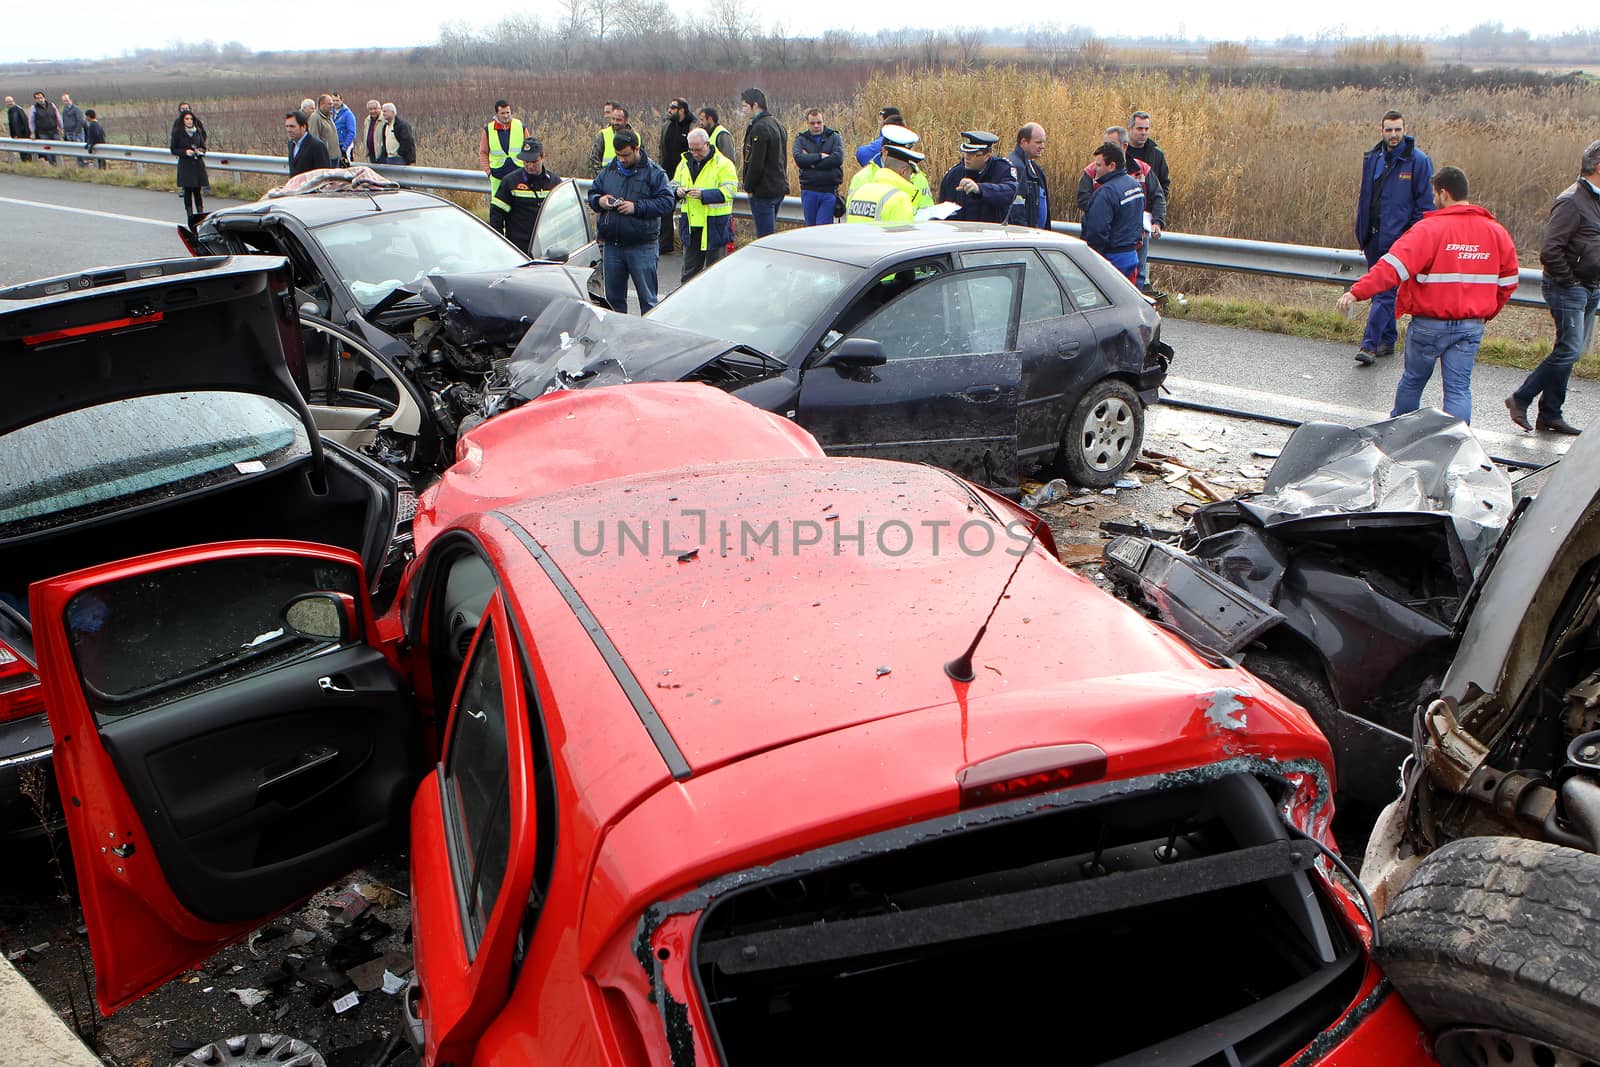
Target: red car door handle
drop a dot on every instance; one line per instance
(296, 773)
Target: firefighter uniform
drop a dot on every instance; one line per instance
(522, 194)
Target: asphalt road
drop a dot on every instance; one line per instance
(57, 227)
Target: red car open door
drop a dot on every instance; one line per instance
(228, 740)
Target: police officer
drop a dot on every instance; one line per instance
(889, 196)
(522, 194)
(984, 186)
(892, 134)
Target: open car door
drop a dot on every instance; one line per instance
(228, 740)
(932, 376)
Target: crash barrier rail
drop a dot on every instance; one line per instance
(1303, 262)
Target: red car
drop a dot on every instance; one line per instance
(710, 771)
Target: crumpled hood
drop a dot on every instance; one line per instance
(497, 306)
(574, 344)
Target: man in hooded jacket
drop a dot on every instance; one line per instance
(1396, 191)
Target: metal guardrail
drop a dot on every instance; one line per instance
(1304, 262)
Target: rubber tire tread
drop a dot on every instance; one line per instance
(1503, 933)
(1304, 683)
(1071, 465)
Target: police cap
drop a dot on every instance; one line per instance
(532, 149)
(978, 141)
(901, 152)
(895, 134)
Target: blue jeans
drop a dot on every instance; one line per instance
(1144, 262)
(636, 262)
(1573, 308)
(1451, 343)
(765, 213)
(818, 206)
(1380, 332)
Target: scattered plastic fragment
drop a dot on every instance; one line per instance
(249, 997)
(346, 1002)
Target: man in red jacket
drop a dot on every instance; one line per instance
(1456, 269)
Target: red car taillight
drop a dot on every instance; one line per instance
(20, 692)
(1030, 770)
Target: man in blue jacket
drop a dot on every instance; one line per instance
(819, 154)
(630, 196)
(344, 121)
(1113, 225)
(1396, 191)
(984, 186)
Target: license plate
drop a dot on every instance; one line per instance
(1128, 551)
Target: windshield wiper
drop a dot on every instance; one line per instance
(398, 295)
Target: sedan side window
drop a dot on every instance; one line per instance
(563, 225)
(948, 316)
(476, 778)
(1085, 294)
(1041, 298)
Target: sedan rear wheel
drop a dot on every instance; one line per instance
(1103, 434)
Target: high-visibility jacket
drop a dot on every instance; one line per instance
(499, 156)
(717, 173)
(608, 137)
(924, 197)
(722, 132)
(861, 177)
(887, 198)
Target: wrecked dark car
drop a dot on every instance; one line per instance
(1345, 582)
(664, 809)
(1487, 868)
(402, 292)
(990, 351)
(149, 408)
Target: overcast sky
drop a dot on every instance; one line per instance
(101, 28)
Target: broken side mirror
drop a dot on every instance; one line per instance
(556, 255)
(855, 352)
(321, 616)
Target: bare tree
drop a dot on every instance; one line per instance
(931, 46)
(969, 44)
(572, 27)
(603, 17)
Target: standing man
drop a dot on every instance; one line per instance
(1570, 255)
(373, 131)
(983, 185)
(1114, 223)
(603, 151)
(344, 124)
(889, 196)
(17, 124)
(766, 168)
(1396, 190)
(305, 151)
(819, 154)
(1031, 207)
(73, 124)
(1142, 147)
(45, 121)
(721, 139)
(868, 153)
(674, 143)
(399, 145)
(1456, 269)
(706, 181)
(320, 123)
(523, 193)
(93, 134)
(630, 196)
(498, 146)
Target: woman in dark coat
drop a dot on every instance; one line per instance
(189, 145)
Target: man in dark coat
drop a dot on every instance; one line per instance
(1142, 148)
(982, 185)
(400, 145)
(1396, 191)
(522, 193)
(766, 164)
(1032, 204)
(674, 143)
(1114, 223)
(45, 121)
(94, 134)
(630, 197)
(17, 123)
(305, 151)
(819, 156)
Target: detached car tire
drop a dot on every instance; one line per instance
(1102, 435)
(1495, 944)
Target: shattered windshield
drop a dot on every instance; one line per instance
(376, 253)
(103, 457)
(758, 297)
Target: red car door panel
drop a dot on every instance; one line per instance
(217, 764)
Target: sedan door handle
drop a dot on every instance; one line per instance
(1067, 348)
(327, 684)
(983, 393)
